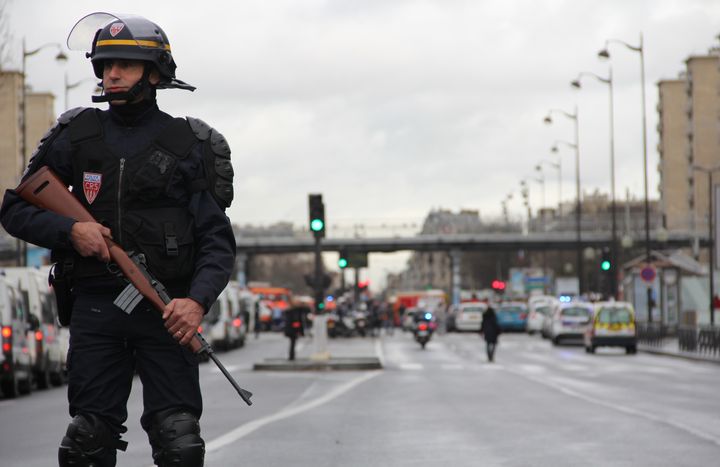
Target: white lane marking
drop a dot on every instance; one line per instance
(619, 408)
(247, 428)
(411, 366)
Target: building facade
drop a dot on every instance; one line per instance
(689, 135)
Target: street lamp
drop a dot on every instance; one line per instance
(605, 54)
(711, 247)
(613, 246)
(61, 57)
(69, 86)
(578, 207)
(556, 165)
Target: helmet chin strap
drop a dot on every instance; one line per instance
(141, 88)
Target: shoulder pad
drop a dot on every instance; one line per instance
(216, 156)
(68, 115)
(200, 128)
(219, 144)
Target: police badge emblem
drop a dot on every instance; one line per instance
(116, 28)
(91, 185)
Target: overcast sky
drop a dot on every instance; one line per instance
(393, 108)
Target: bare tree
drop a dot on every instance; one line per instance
(5, 36)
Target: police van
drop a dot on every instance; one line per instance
(44, 340)
(15, 364)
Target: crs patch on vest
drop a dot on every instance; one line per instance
(91, 185)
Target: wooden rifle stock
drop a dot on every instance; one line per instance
(45, 190)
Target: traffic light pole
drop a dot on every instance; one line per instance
(318, 282)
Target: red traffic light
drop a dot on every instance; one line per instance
(498, 285)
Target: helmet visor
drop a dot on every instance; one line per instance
(143, 33)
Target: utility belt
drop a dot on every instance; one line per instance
(73, 275)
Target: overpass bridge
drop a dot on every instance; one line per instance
(534, 241)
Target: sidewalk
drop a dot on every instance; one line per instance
(670, 348)
(357, 353)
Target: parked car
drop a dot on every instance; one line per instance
(613, 325)
(217, 323)
(570, 321)
(539, 309)
(469, 316)
(44, 345)
(238, 329)
(512, 316)
(15, 321)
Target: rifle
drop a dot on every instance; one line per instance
(45, 190)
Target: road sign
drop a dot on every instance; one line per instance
(648, 274)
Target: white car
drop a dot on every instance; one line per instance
(45, 347)
(468, 316)
(540, 308)
(570, 321)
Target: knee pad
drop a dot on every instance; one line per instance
(175, 439)
(89, 442)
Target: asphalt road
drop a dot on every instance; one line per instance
(538, 405)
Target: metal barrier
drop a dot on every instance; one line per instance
(709, 340)
(651, 334)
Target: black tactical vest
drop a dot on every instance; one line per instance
(129, 195)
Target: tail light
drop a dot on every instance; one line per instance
(422, 326)
(237, 322)
(6, 333)
(523, 315)
(296, 324)
(38, 336)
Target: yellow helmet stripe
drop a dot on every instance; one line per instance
(132, 42)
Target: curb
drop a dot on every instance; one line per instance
(685, 356)
(306, 364)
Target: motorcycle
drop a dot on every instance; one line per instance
(360, 322)
(425, 325)
(340, 325)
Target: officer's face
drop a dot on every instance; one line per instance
(121, 75)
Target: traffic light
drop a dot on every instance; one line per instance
(498, 285)
(606, 260)
(343, 260)
(317, 215)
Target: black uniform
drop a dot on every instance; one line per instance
(294, 326)
(143, 174)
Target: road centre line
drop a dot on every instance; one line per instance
(247, 428)
(618, 407)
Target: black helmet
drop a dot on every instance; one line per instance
(125, 37)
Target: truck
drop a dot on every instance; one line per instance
(567, 287)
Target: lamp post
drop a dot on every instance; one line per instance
(556, 165)
(578, 204)
(605, 54)
(61, 57)
(613, 245)
(711, 239)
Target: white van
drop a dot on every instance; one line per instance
(45, 347)
(15, 363)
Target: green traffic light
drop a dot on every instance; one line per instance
(605, 265)
(316, 225)
(342, 262)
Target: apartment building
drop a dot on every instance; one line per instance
(689, 135)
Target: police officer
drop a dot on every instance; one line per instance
(157, 185)
(294, 324)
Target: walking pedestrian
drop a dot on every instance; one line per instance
(295, 325)
(490, 330)
(159, 186)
